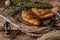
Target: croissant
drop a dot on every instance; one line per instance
(30, 17)
(42, 14)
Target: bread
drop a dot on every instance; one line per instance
(30, 17)
(47, 16)
(42, 14)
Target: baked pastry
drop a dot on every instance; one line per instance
(42, 14)
(47, 15)
(30, 17)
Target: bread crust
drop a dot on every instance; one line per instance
(30, 17)
(42, 14)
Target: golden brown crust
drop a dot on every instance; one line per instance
(28, 14)
(47, 15)
(42, 14)
(30, 17)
